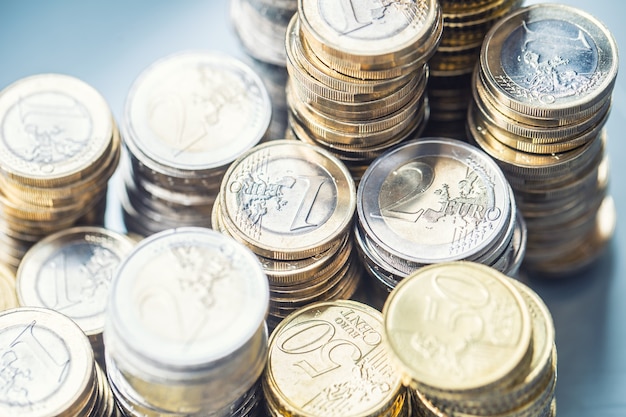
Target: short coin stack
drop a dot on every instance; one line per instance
(307, 376)
(471, 341)
(48, 368)
(465, 24)
(70, 271)
(434, 200)
(292, 204)
(358, 74)
(183, 126)
(542, 96)
(59, 146)
(185, 332)
(261, 25)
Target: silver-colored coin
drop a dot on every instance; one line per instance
(47, 364)
(433, 200)
(71, 271)
(182, 114)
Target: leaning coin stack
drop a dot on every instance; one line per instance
(185, 331)
(292, 204)
(261, 26)
(434, 200)
(465, 24)
(307, 376)
(358, 75)
(59, 146)
(183, 127)
(542, 95)
(470, 341)
(70, 271)
(48, 368)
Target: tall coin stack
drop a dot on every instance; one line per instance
(331, 359)
(470, 341)
(187, 117)
(59, 146)
(48, 369)
(434, 200)
(542, 95)
(70, 271)
(185, 332)
(358, 75)
(292, 204)
(465, 24)
(261, 26)
(8, 293)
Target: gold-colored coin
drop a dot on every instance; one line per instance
(330, 358)
(439, 356)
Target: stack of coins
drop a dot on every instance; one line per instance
(261, 25)
(183, 127)
(292, 204)
(330, 358)
(48, 368)
(8, 294)
(185, 331)
(358, 74)
(70, 271)
(59, 146)
(471, 341)
(465, 24)
(434, 200)
(542, 95)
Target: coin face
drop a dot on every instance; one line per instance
(71, 271)
(186, 297)
(330, 359)
(433, 200)
(46, 362)
(550, 60)
(53, 128)
(368, 28)
(185, 111)
(287, 200)
(457, 326)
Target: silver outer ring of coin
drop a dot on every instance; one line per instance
(40, 288)
(124, 321)
(375, 225)
(60, 347)
(180, 159)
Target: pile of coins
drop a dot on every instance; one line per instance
(434, 200)
(48, 368)
(182, 130)
(261, 26)
(330, 358)
(471, 341)
(185, 331)
(59, 146)
(8, 294)
(292, 204)
(358, 75)
(542, 95)
(70, 271)
(465, 24)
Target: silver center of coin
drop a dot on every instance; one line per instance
(46, 128)
(369, 19)
(552, 59)
(34, 364)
